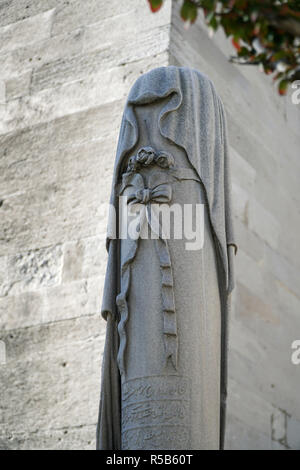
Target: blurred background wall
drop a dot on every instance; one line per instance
(65, 70)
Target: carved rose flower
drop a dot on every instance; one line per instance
(165, 160)
(146, 155)
(133, 165)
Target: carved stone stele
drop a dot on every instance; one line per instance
(165, 359)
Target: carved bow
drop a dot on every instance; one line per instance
(162, 193)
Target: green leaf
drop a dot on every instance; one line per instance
(282, 87)
(155, 5)
(214, 23)
(188, 11)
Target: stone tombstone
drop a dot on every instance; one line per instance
(167, 287)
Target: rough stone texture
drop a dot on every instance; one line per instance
(65, 70)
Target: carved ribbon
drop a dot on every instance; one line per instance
(160, 193)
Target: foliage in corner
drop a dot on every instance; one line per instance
(263, 32)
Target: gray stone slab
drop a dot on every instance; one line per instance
(32, 55)
(293, 433)
(12, 11)
(57, 303)
(18, 86)
(33, 29)
(71, 438)
(241, 436)
(84, 258)
(33, 270)
(53, 74)
(51, 378)
(101, 88)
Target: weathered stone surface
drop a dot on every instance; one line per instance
(293, 433)
(84, 258)
(250, 408)
(248, 305)
(73, 14)
(81, 66)
(30, 217)
(263, 223)
(36, 54)
(73, 97)
(33, 142)
(29, 30)
(244, 437)
(240, 203)
(248, 241)
(64, 359)
(12, 11)
(282, 270)
(248, 273)
(64, 301)
(18, 86)
(21, 311)
(33, 270)
(107, 33)
(71, 438)
(243, 173)
(279, 426)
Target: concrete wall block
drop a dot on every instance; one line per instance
(240, 201)
(67, 167)
(22, 311)
(248, 305)
(249, 273)
(73, 14)
(12, 11)
(70, 438)
(263, 223)
(73, 185)
(293, 433)
(279, 426)
(80, 216)
(71, 300)
(250, 243)
(64, 70)
(35, 55)
(18, 86)
(250, 408)
(105, 87)
(107, 33)
(32, 143)
(243, 174)
(30, 30)
(84, 258)
(64, 358)
(283, 270)
(241, 436)
(34, 270)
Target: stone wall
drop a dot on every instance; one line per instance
(65, 70)
(263, 405)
